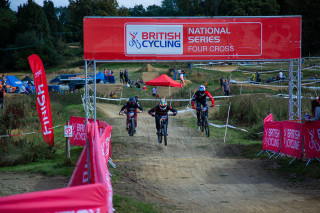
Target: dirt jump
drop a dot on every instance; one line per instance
(194, 173)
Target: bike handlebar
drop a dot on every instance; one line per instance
(127, 112)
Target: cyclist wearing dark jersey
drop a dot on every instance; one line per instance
(161, 109)
(131, 106)
(200, 97)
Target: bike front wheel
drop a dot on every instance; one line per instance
(165, 134)
(206, 127)
(132, 127)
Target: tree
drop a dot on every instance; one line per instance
(169, 8)
(123, 11)
(4, 4)
(31, 17)
(52, 18)
(154, 10)
(138, 10)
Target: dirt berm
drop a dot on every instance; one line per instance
(199, 174)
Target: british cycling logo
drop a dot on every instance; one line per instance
(134, 41)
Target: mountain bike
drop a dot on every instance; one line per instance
(163, 129)
(204, 123)
(132, 126)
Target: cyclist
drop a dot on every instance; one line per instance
(201, 99)
(131, 106)
(161, 109)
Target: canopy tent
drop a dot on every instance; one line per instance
(164, 81)
(28, 80)
(13, 81)
(99, 77)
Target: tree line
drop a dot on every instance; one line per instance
(44, 29)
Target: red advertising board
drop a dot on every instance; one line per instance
(292, 139)
(187, 39)
(311, 137)
(78, 130)
(272, 135)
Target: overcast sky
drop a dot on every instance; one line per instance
(57, 3)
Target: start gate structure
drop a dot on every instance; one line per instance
(193, 39)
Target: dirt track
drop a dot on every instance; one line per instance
(197, 174)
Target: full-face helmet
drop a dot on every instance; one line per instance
(202, 90)
(163, 103)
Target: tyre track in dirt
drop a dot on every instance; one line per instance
(198, 174)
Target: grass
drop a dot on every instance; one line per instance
(123, 204)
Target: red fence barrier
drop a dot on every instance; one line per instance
(292, 138)
(79, 196)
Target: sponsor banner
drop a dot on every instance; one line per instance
(272, 136)
(78, 130)
(292, 139)
(230, 38)
(43, 100)
(100, 148)
(65, 200)
(311, 137)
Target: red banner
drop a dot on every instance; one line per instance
(43, 100)
(87, 198)
(311, 137)
(100, 150)
(78, 130)
(292, 139)
(230, 38)
(272, 136)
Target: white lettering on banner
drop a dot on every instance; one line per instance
(154, 39)
(85, 174)
(313, 143)
(274, 133)
(273, 141)
(37, 74)
(292, 138)
(97, 210)
(208, 30)
(41, 101)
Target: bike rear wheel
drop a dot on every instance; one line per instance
(165, 134)
(206, 126)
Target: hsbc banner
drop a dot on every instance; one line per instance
(311, 136)
(43, 99)
(292, 139)
(272, 136)
(233, 38)
(78, 130)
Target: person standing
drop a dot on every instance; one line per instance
(2, 94)
(226, 88)
(126, 77)
(4, 81)
(154, 92)
(221, 82)
(174, 73)
(121, 77)
(23, 89)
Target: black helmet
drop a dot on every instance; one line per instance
(132, 100)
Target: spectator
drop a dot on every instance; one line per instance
(184, 75)
(179, 73)
(221, 82)
(137, 84)
(110, 72)
(181, 78)
(2, 94)
(154, 92)
(23, 89)
(226, 88)
(111, 94)
(29, 88)
(126, 77)
(4, 81)
(142, 82)
(315, 109)
(121, 77)
(174, 73)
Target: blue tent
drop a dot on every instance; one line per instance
(13, 81)
(99, 77)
